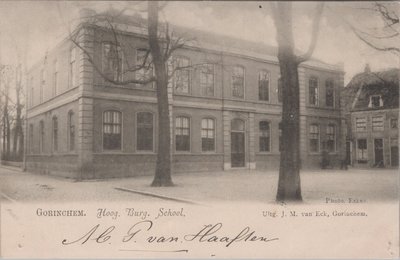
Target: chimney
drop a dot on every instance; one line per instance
(367, 69)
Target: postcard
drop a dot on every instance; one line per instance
(192, 129)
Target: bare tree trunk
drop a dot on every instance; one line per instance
(18, 142)
(162, 175)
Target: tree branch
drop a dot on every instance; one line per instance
(315, 32)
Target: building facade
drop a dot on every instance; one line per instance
(372, 114)
(225, 107)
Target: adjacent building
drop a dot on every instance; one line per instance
(371, 108)
(225, 106)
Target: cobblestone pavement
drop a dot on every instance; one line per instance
(236, 185)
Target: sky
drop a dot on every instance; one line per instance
(37, 26)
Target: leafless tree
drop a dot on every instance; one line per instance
(289, 188)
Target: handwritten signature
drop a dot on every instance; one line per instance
(210, 233)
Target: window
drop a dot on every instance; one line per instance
(182, 134)
(375, 101)
(361, 124)
(71, 131)
(207, 135)
(144, 135)
(55, 78)
(362, 155)
(182, 75)
(394, 123)
(238, 82)
(313, 91)
(331, 138)
(72, 67)
(112, 126)
(207, 79)
(42, 137)
(377, 123)
(41, 85)
(144, 62)
(279, 90)
(329, 93)
(314, 138)
(55, 134)
(31, 138)
(263, 86)
(112, 61)
(264, 136)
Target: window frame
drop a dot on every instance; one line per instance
(141, 72)
(364, 151)
(268, 87)
(332, 87)
(121, 124)
(243, 82)
(391, 123)
(375, 128)
(213, 150)
(318, 139)
(72, 67)
(364, 129)
(176, 60)
(189, 133)
(153, 132)
(328, 134)
(379, 100)
(115, 76)
(202, 72)
(269, 150)
(316, 96)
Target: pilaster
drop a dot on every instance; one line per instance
(251, 150)
(227, 139)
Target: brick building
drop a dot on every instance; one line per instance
(372, 110)
(225, 107)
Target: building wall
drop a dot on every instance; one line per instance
(93, 95)
(386, 134)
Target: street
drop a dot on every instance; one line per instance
(371, 185)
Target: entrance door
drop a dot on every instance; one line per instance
(237, 143)
(394, 152)
(378, 149)
(237, 149)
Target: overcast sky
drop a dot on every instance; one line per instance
(38, 26)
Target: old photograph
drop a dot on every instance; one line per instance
(196, 129)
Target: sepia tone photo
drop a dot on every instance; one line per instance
(151, 129)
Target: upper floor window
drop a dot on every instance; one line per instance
(182, 133)
(55, 78)
(331, 138)
(394, 123)
(112, 61)
(279, 90)
(182, 75)
(263, 85)
(377, 123)
(71, 131)
(313, 91)
(207, 80)
(207, 135)
(314, 138)
(112, 129)
(41, 136)
(72, 67)
(238, 82)
(144, 67)
(375, 101)
(329, 93)
(264, 136)
(55, 134)
(361, 124)
(144, 135)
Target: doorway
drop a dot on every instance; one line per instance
(237, 143)
(378, 151)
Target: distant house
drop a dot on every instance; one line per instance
(371, 108)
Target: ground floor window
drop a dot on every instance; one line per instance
(314, 138)
(362, 155)
(112, 124)
(331, 138)
(264, 139)
(182, 134)
(207, 135)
